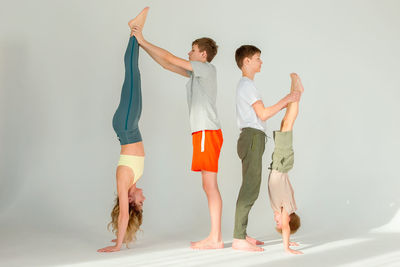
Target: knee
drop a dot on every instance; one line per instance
(210, 188)
(247, 201)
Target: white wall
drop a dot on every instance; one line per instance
(61, 72)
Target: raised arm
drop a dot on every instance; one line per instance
(286, 234)
(161, 56)
(264, 113)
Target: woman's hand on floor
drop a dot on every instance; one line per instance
(109, 249)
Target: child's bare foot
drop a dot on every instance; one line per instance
(243, 244)
(140, 19)
(207, 243)
(293, 77)
(299, 85)
(254, 241)
(296, 83)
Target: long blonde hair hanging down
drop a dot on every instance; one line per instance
(135, 220)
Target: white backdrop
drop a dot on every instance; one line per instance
(61, 72)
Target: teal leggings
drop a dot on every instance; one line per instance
(127, 115)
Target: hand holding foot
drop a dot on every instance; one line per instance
(137, 24)
(137, 32)
(293, 244)
(294, 96)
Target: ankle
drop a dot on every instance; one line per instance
(216, 238)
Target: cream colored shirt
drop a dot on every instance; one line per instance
(281, 193)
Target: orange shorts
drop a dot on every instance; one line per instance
(206, 148)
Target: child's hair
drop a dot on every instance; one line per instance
(245, 51)
(294, 224)
(135, 220)
(208, 45)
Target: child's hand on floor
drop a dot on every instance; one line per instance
(289, 250)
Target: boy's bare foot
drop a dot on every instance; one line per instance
(296, 83)
(243, 244)
(207, 243)
(254, 241)
(293, 77)
(299, 85)
(140, 19)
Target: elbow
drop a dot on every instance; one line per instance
(267, 115)
(264, 117)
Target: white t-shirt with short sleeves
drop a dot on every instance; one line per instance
(202, 97)
(246, 95)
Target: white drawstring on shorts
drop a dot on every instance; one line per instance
(203, 137)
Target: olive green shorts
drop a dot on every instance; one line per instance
(283, 156)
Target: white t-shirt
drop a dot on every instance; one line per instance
(246, 95)
(202, 97)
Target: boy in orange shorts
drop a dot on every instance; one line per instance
(204, 122)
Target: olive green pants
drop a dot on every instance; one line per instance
(250, 148)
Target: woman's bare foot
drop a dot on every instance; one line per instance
(254, 241)
(140, 19)
(243, 244)
(207, 243)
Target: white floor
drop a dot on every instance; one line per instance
(44, 248)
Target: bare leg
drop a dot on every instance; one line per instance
(210, 186)
(292, 108)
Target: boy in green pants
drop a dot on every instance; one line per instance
(251, 113)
